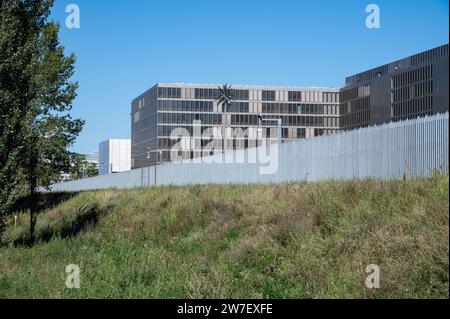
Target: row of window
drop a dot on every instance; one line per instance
(238, 107)
(166, 130)
(144, 113)
(330, 97)
(206, 94)
(199, 106)
(411, 92)
(143, 123)
(348, 94)
(166, 145)
(295, 96)
(169, 93)
(243, 107)
(302, 96)
(189, 118)
(245, 119)
(243, 140)
(201, 144)
(280, 108)
(289, 108)
(299, 96)
(430, 55)
(289, 120)
(417, 106)
(320, 132)
(268, 95)
(413, 76)
(185, 105)
(212, 94)
(286, 108)
(355, 93)
(243, 95)
(355, 106)
(143, 135)
(331, 122)
(356, 119)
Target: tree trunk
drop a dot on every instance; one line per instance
(32, 217)
(32, 180)
(224, 126)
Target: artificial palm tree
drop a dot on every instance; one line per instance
(225, 98)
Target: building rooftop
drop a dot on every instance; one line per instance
(247, 87)
(440, 51)
(240, 87)
(398, 65)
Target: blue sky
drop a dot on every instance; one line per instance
(126, 46)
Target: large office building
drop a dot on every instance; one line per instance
(305, 113)
(411, 87)
(114, 156)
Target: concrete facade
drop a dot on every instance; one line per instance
(305, 113)
(114, 156)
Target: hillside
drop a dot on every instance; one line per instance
(300, 240)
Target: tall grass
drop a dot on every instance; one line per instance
(296, 240)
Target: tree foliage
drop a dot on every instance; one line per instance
(80, 167)
(36, 96)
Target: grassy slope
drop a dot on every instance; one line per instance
(285, 241)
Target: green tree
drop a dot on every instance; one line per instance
(80, 167)
(36, 96)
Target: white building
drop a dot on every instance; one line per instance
(114, 156)
(92, 157)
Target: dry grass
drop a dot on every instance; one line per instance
(294, 240)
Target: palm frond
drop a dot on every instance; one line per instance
(225, 95)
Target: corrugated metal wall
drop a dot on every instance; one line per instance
(388, 151)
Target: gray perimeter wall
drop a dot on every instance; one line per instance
(388, 151)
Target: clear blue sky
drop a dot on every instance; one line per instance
(126, 46)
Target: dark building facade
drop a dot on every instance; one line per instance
(411, 87)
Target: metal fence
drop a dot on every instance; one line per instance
(413, 147)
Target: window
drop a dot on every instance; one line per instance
(268, 95)
(295, 96)
(241, 95)
(169, 93)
